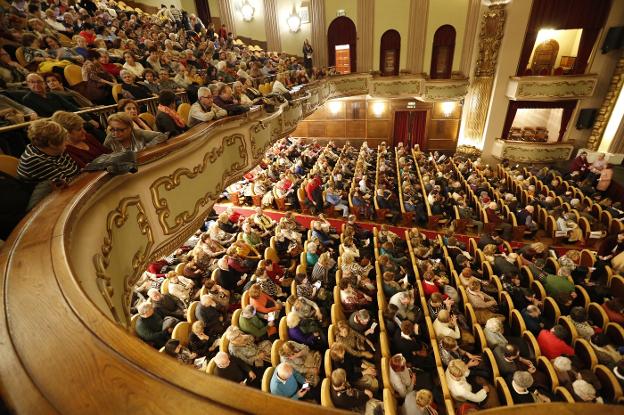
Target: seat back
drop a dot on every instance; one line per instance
(116, 91)
(8, 165)
(283, 329)
(266, 379)
(19, 56)
(73, 74)
(210, 369)
(164, 287)
(181, 332)
(326, 400)
(275, 349)
(611, 389)
(183, 110)
(149, 119)
(190, 312)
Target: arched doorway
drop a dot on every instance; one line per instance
(390, 53)
(341, 41)
(443, 50)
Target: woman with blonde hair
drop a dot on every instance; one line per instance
(350, 266)
(305, 361)
(82, 147)
(418, 403)
(354, 343)
(322, 268)
(461, 390)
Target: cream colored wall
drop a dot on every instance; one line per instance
(391, 14)
(332, 6)
(215, 10)
(451, 12)
(291, 42)
(253, 29)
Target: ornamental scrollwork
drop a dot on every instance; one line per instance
(173, 180)
(116, 219)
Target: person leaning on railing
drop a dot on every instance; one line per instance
(45, 162)
(204, 109)
(82, 147)
(167, 118)
(122, 135)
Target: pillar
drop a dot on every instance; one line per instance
(319, 33)
(477, 100)
(472, 22)
(417, 35)
(274, 41)
(227, 18)
(365, 24)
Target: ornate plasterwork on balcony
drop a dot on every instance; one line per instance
(551, 88)
(526, 152)
(414, 86)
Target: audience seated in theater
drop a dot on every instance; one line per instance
(233, 368)
(151, 327)
(553, 343)
(287, 382)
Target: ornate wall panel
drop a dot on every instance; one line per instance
(176, 197)
(480, 90)
(125, 247)
(551, 87)
(531, 152)
(617, 82)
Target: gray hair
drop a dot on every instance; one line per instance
(204, 92)
(124, 72)
(144, 308)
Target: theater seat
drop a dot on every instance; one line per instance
(326, 400)
(8, 165)
(73, 74)
(266, 379)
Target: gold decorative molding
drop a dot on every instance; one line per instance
(490, 37)
(480, 90)
(173, 180)
(531, 152)
(116, 219)
(617, 81)
(551, 87)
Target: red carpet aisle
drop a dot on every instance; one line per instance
(305, 220)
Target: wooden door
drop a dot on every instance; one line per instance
(544, 57)
(343, 59)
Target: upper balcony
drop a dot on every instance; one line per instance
(415, 86)
(551, 88)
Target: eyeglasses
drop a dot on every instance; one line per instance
(118, 130)
(35, 82)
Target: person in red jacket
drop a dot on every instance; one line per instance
(551, 343)
(314, 192)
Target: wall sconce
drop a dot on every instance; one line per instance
(247, 11)
(294, 21)
(545, 34)
(334, 107)
(447, 108)
(378, 109)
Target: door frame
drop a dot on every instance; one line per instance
(391, 39)
(342, 31)
(427, 108)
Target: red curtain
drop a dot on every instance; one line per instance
(514, 106)
(419, 131)
(203, 11)
(401, 128)
(589, 15)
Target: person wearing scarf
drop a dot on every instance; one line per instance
(167, 119)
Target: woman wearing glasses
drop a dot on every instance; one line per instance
(122, 135)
